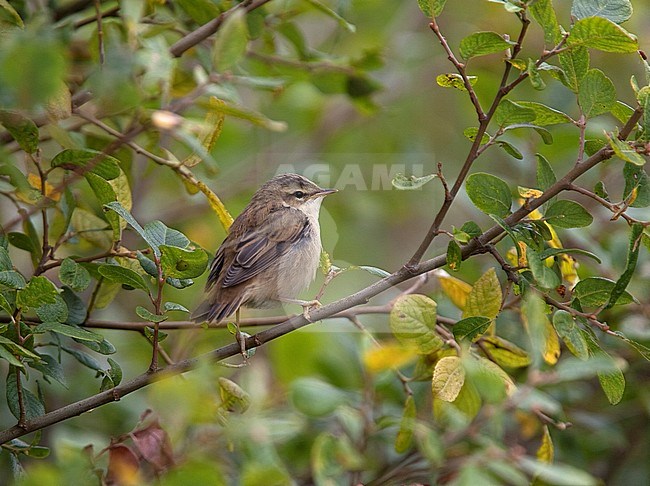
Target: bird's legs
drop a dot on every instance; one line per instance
(307, 305)
(240, 338)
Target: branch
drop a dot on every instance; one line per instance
(206, 30)
(361, 297)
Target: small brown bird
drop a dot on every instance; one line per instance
(271, 253)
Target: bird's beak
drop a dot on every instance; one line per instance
(325, 192)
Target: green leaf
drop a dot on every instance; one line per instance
(448, 378)
(76, 308)
(149, 334)
(18, 349)
(471, 133)
(50, 368)
(544, 276)
(86, 160)
(404, 437)
(612, 382)
(314, 397)
(566, 328)
(123, 276)
(38, 291)
(10, 15)
(544, 13)
(471, 328)
(510, 149)
(624, 151)
(482, 43)
(233, 397)
(32, 405)
(545, 115)
(489, 193)
(413, 322)
(173, 306)
(485, 297)
(602, 34)
(74, 275)
(5, 260)
(83, 358)
(632, 258)
(454, 255)
(575, 64)
(557, 474)
(637, 186)
(455, 80)
(179, 263)
(643, 350)
(105, 194)
(231, 41)
(534, 77)
(70, 331)
(21, 241)
(509, 113)
(9, 356)
(377, 272)
(149, 316)
(545, 175)
(596, 94)
(432, 8)
(568, 214)
(622, 111)
(91, 228)
(115, 371)
(126, 216)
(12, 279)
(596, 292)
(56, 311)
(331, 13)
(159, 234)
(618, 11)
(409, 183)
(22, 129)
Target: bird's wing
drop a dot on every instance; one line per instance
(256, 250)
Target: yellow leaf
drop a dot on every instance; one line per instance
(122, 191)
(505, 353)
(455, 289)
(35, 181)
(545, 452)
(529, 193)
(485, 297)
(215, 203)
(552, 345)
(388, 356)
(210, 131)
(569, 269)
(448, 378)
(528, 424)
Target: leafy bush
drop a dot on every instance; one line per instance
(116, 117)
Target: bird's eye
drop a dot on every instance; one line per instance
(299, 194)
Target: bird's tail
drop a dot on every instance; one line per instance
(209, 311)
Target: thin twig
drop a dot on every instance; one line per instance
(206, 30)
(100, 32)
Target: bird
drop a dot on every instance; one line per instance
(271, 253)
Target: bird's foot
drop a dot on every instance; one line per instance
(307, 306)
